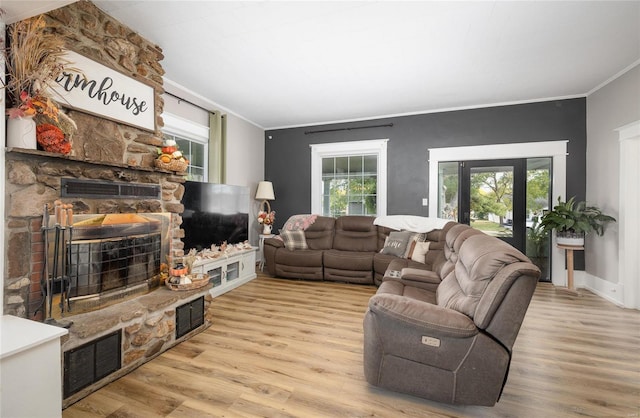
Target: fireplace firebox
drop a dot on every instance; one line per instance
(108, 257)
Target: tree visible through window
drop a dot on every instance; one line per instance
(349, 178)
(349, 185)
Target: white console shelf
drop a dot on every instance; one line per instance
(228, 271)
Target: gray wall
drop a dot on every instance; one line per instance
(609, 108)
(288, 155)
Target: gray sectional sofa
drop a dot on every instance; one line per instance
(345, 249)
(442, 327)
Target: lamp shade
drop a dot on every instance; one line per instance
(265, 191)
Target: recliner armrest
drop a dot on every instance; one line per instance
(436, 320)
(419, 275)
(273, 242)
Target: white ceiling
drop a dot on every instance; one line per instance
(281, 64)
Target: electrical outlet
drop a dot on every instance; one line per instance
(425, 202)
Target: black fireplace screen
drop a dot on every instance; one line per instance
(98, 266)
(114, 253)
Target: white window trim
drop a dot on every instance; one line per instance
(178, 126)
(555, 149)
(339, 149)
(184, 128)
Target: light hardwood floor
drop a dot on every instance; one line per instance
(285, 348)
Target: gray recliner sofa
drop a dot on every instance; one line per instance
(449, 338)
(345, 249)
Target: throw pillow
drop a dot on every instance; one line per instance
(396, 243)
(421, 237)
(299, 222)
(410, 248)
(420, 252)
(415, 237)
(294, 240)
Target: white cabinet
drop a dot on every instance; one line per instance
(31, 383)
(229, 271)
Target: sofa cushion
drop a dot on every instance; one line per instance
(400, 289)
(396, 243)
(348, 260)
(320, 234)
(480, 258)
(301, 258)
(294, 240)
(355, 233)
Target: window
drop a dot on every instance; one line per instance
(196, 153)
(193, 141)
(448, 190)
(349, 178)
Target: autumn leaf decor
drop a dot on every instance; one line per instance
(33, 62)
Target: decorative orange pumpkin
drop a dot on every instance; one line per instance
(51, 139)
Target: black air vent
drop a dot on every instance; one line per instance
(108, 190)
(91, 362)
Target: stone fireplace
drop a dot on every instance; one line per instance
(101, 257)
(103, 152)
(121, 157)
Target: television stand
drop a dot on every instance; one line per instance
(229, 270)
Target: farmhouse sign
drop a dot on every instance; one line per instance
(104, 92)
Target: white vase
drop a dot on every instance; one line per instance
(266, 229)
(21, 133)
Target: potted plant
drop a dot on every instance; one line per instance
(572, 220)
(537, 247)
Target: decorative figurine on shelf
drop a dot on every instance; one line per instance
(170, 158)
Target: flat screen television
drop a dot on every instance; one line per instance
(214, 213)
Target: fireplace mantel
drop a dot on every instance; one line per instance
(49, 155)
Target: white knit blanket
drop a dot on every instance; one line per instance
(411, 223)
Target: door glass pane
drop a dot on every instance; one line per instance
(492, 200)
(538, 200)
(448, 186)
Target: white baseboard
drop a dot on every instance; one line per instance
(613, 292)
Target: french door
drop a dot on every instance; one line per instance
(504, 198)
(493, 198)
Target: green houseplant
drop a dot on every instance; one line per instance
(572, 220)
(537, 247)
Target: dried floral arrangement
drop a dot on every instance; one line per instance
(266, 218)
(35, 58)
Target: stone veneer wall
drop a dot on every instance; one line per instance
(102, 149)
(33, 180)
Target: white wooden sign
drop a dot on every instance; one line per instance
(101, 91)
